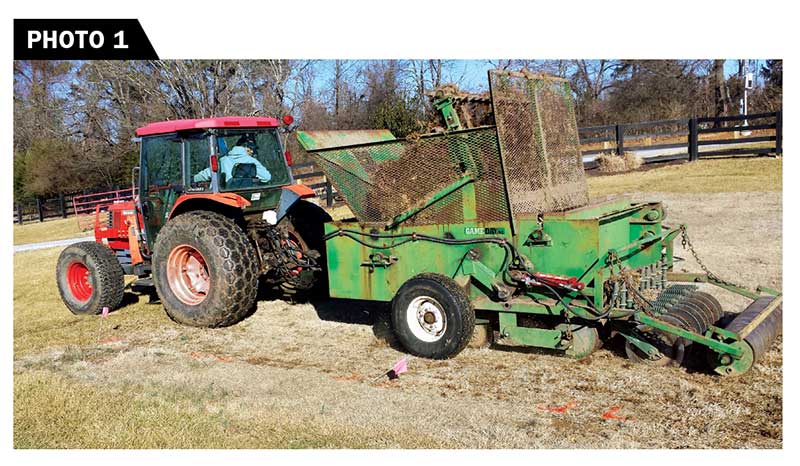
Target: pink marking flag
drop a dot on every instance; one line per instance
(399, 367)
(105, 312)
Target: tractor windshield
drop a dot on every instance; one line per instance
(250, 158)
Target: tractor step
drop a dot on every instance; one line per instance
(142, 285)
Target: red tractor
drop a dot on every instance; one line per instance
(215, 212)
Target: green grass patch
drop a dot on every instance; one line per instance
(704, 176)
(50, 230)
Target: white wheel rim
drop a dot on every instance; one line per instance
(426, 319)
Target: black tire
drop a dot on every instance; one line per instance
(231, 266)
(307, 221)
(105, 282)
(448, 300)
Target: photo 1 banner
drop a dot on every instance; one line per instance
(81, 39)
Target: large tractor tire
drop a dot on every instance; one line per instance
(205, 270)
(432, 316)
(306, 227)
(89, 278)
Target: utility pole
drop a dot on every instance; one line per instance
(748, 85)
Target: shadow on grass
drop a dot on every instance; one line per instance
(349, 311)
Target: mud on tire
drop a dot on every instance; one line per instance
(432, 316)
(89, 278)
(229, 262)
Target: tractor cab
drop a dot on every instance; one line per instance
(228, 158)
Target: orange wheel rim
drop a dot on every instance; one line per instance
(187, 275)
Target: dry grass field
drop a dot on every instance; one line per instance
(302, 375)
(50, 230)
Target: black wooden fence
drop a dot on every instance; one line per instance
(60, 206)
(657, 141)
(41, 209)
(640, 138)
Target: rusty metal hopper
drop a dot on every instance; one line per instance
(530, 158)
(538, 137)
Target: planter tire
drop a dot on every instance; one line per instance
(432, 316)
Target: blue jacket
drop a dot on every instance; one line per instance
(237, 155)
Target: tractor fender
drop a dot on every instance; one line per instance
(291, 194)
(228, 199)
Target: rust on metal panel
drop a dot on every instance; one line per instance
(317, 140)
(539, 145)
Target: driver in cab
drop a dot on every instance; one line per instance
(240, 155)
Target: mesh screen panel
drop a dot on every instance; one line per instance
(538, 138)
(535, 142)
(382, 180)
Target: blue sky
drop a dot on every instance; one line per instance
(472, 73)
(475, 71)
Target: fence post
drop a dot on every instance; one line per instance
(693, 152)
(328, 193)
(62, 203)
(39, 208)
(619, 134)
(779, 132)
(19, 213)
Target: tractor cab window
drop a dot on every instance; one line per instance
(250, 159)
(197, 161)
(162, 169)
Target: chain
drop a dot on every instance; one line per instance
(569, 324)
(712, 277)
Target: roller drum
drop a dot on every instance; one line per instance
(761, 338)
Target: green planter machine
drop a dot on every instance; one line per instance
(489, 231)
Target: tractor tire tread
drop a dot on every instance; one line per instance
(237, 258)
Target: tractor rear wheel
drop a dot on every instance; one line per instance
(432, 316)
(89, 278)
(205, 270)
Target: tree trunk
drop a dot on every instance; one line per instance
(720, 94)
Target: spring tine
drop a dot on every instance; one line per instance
(653, 278)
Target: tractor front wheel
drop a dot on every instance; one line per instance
(432, 316)
(89, 278)
(205, 270)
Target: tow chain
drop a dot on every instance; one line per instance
(686, 243)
